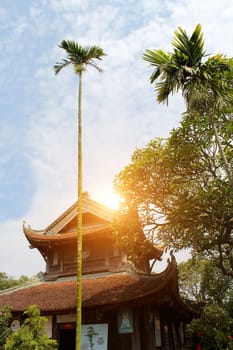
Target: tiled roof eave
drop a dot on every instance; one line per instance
(108, 290)
(35, 237)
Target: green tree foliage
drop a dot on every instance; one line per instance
(32, 334)
(8, 282)
(190, 69)
(5, 316)
(185, 190)
(204, 80)
(213, 330)
(128, 235)
(201, 281)
(181, 192)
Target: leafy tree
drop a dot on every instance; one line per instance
(80, 58)
(179, 188)
(206, 84)
(5, 316)
(190, 277)
(8, 282)
(128, 235)
(212, 330)
(200, 280)
(32, 334)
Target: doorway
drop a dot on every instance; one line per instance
(67, 339)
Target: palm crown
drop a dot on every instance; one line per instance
(79, 56)
(205, 85)
(184, 69)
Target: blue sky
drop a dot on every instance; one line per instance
(38, 109)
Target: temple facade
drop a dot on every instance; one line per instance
(123, 307)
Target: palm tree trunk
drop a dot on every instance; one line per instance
(79, 222)
(221, 151)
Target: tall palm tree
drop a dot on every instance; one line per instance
(205, 85)
(79, 57)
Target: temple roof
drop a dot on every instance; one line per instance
(104, 290)
(97, 218)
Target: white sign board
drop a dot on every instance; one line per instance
(94, 336)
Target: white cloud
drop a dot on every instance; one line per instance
(15, 255)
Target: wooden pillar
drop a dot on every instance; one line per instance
(136, 342)
(166, 337)
(157, 330)
(147, 332)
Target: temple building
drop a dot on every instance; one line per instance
(123, 307)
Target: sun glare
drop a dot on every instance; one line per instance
(111, 200)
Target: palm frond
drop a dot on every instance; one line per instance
(197, 39)
(60, 65)
(94, 52)
(169, 83)
(79, 56)
(184, 70)
(157, 59)
(191, 47)
(71, 47)
(181, 41)
(94, 65)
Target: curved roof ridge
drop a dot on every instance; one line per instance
(27, 230)
(89, 205)
(62, 216)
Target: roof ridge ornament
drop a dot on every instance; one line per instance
(172, 258)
